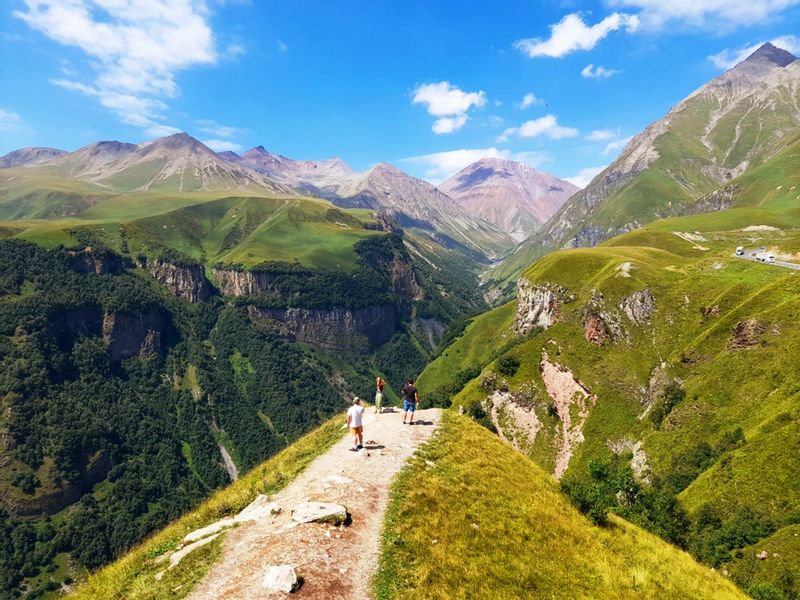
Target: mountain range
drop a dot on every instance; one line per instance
(732, 124)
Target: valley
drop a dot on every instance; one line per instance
(616, 390)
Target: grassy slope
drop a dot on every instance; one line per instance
(470, 518)
(244, 230)
(755, 388)
(770, 188)
(132, 576)
(785, 543)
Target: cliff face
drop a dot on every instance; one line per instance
(244, 283)
(124, 334)
(336, 330)
(189, 282)
(90, 261)
(538, 305)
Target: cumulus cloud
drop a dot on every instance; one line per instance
(585, 176)
(449, 103)
(616, 145)
(136, 48)
(223, 145)
(601, 135)
(9, 120)
(543, 126)
(442, 165)
(598, 72)
(529, 100)
(728, 58)
(212, 127)
(572, 33)
(716, 14)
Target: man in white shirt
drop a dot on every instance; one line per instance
(355, 415)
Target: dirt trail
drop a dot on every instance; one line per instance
(334, 562)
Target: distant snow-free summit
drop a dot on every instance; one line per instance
(512, 195)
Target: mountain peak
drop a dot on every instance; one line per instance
(179, 140)
(771, 53)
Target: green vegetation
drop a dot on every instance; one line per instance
(471, 518)
(696, 400)
(103, 414)
(132, 576)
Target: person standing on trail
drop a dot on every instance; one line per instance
(379, 383)
(410, 399)
(355, 415)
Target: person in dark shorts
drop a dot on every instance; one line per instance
(410, 399)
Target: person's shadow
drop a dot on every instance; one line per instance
(373, 446)
(421, 422)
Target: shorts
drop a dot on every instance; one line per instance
(409, 405)
(359, 429)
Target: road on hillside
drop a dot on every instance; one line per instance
(751, 256)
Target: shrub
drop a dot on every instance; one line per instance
(508, 365)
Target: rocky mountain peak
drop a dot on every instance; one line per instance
(179, 141)
(30, 156)
(771, 53)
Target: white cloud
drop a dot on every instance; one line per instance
(223, 145)
(282, 46)
(585, 176)
(448, 124)
(592, 72)
(572, 33)
(616, 145)
(442, 165)
(727, 59)
(9, 121)
(214, 128)
(159, 131)
(449, 103)
(529, 100)
(711, 14)
(136, 48)
(601, 135)
(547, 126)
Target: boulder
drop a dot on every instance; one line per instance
(281, 578)
(320, 512)
(258, 509)
(176, 557)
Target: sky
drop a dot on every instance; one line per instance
(428, 86)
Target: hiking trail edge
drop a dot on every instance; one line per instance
(333, 561)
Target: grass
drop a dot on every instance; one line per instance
(471, 518)
(754, 389)
(781, 571)
(470, 349)
(132, 576)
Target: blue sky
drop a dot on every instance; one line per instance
(428, 86)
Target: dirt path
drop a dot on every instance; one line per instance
(334, 562)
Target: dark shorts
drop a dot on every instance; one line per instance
(409, 405)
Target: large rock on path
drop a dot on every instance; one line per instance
(320, 512)
(281, 578)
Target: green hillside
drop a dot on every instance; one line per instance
(700, 396)
(471, 518)
(713, 150)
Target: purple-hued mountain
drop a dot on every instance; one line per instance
(25, 157)
(515, 197)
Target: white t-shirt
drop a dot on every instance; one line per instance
(355, 413)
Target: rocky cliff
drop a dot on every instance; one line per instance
(188, 282)
(538, 305)
(244, 283)
(336, 330)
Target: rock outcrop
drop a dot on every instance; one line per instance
(133, 334)
(639, 306)
(747, 334)
(572, 401)
(538, 305)
(101, 262)
(601, 325)
(188, 282)
(516, 421)
(238, 283)
(337, 330)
